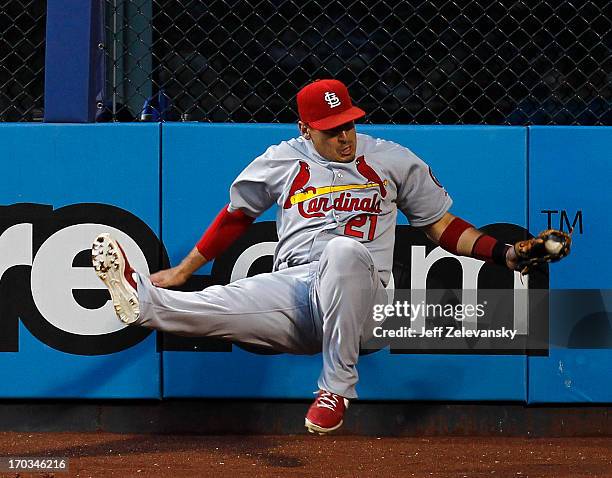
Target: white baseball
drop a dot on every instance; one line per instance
(552, 246)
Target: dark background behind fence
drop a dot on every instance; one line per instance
(22, 59)
(409, 62)
(449, 62)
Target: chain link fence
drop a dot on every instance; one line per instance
(448, 62)
(22, 59)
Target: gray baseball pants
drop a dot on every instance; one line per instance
(324, 306)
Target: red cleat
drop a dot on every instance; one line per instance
(326, 413)
(113, 268)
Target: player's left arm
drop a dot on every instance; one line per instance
(462, 239)
(422, 198)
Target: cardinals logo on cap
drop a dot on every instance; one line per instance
(326, 104)
(332, 99)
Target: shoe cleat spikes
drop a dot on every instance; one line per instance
(111, 266)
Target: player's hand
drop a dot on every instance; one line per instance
(511, 259)
(549, 246)
(172, 277)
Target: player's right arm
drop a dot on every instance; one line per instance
(228, 226)
(253, 191)
(178, 275)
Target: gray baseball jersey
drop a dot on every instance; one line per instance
(319, 200)
(336, 228)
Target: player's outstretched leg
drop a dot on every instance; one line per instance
(272, 311)
(346, 288)
(113, 268)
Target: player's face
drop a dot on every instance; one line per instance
(338, 144)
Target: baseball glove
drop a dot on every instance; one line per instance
(550, 245)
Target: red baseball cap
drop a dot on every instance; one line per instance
(325, 104)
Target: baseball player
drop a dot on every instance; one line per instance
(337, 194)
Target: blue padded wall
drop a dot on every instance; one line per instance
(61, 186)
(570, 170)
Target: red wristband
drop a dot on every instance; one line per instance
(489, 249)
(450, 237)
(224, 230)
(483, 248)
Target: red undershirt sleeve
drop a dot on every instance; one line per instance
(224, 230)
(485, 248)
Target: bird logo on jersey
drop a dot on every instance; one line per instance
(315, 201)
(367, 172)
(300, 180)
